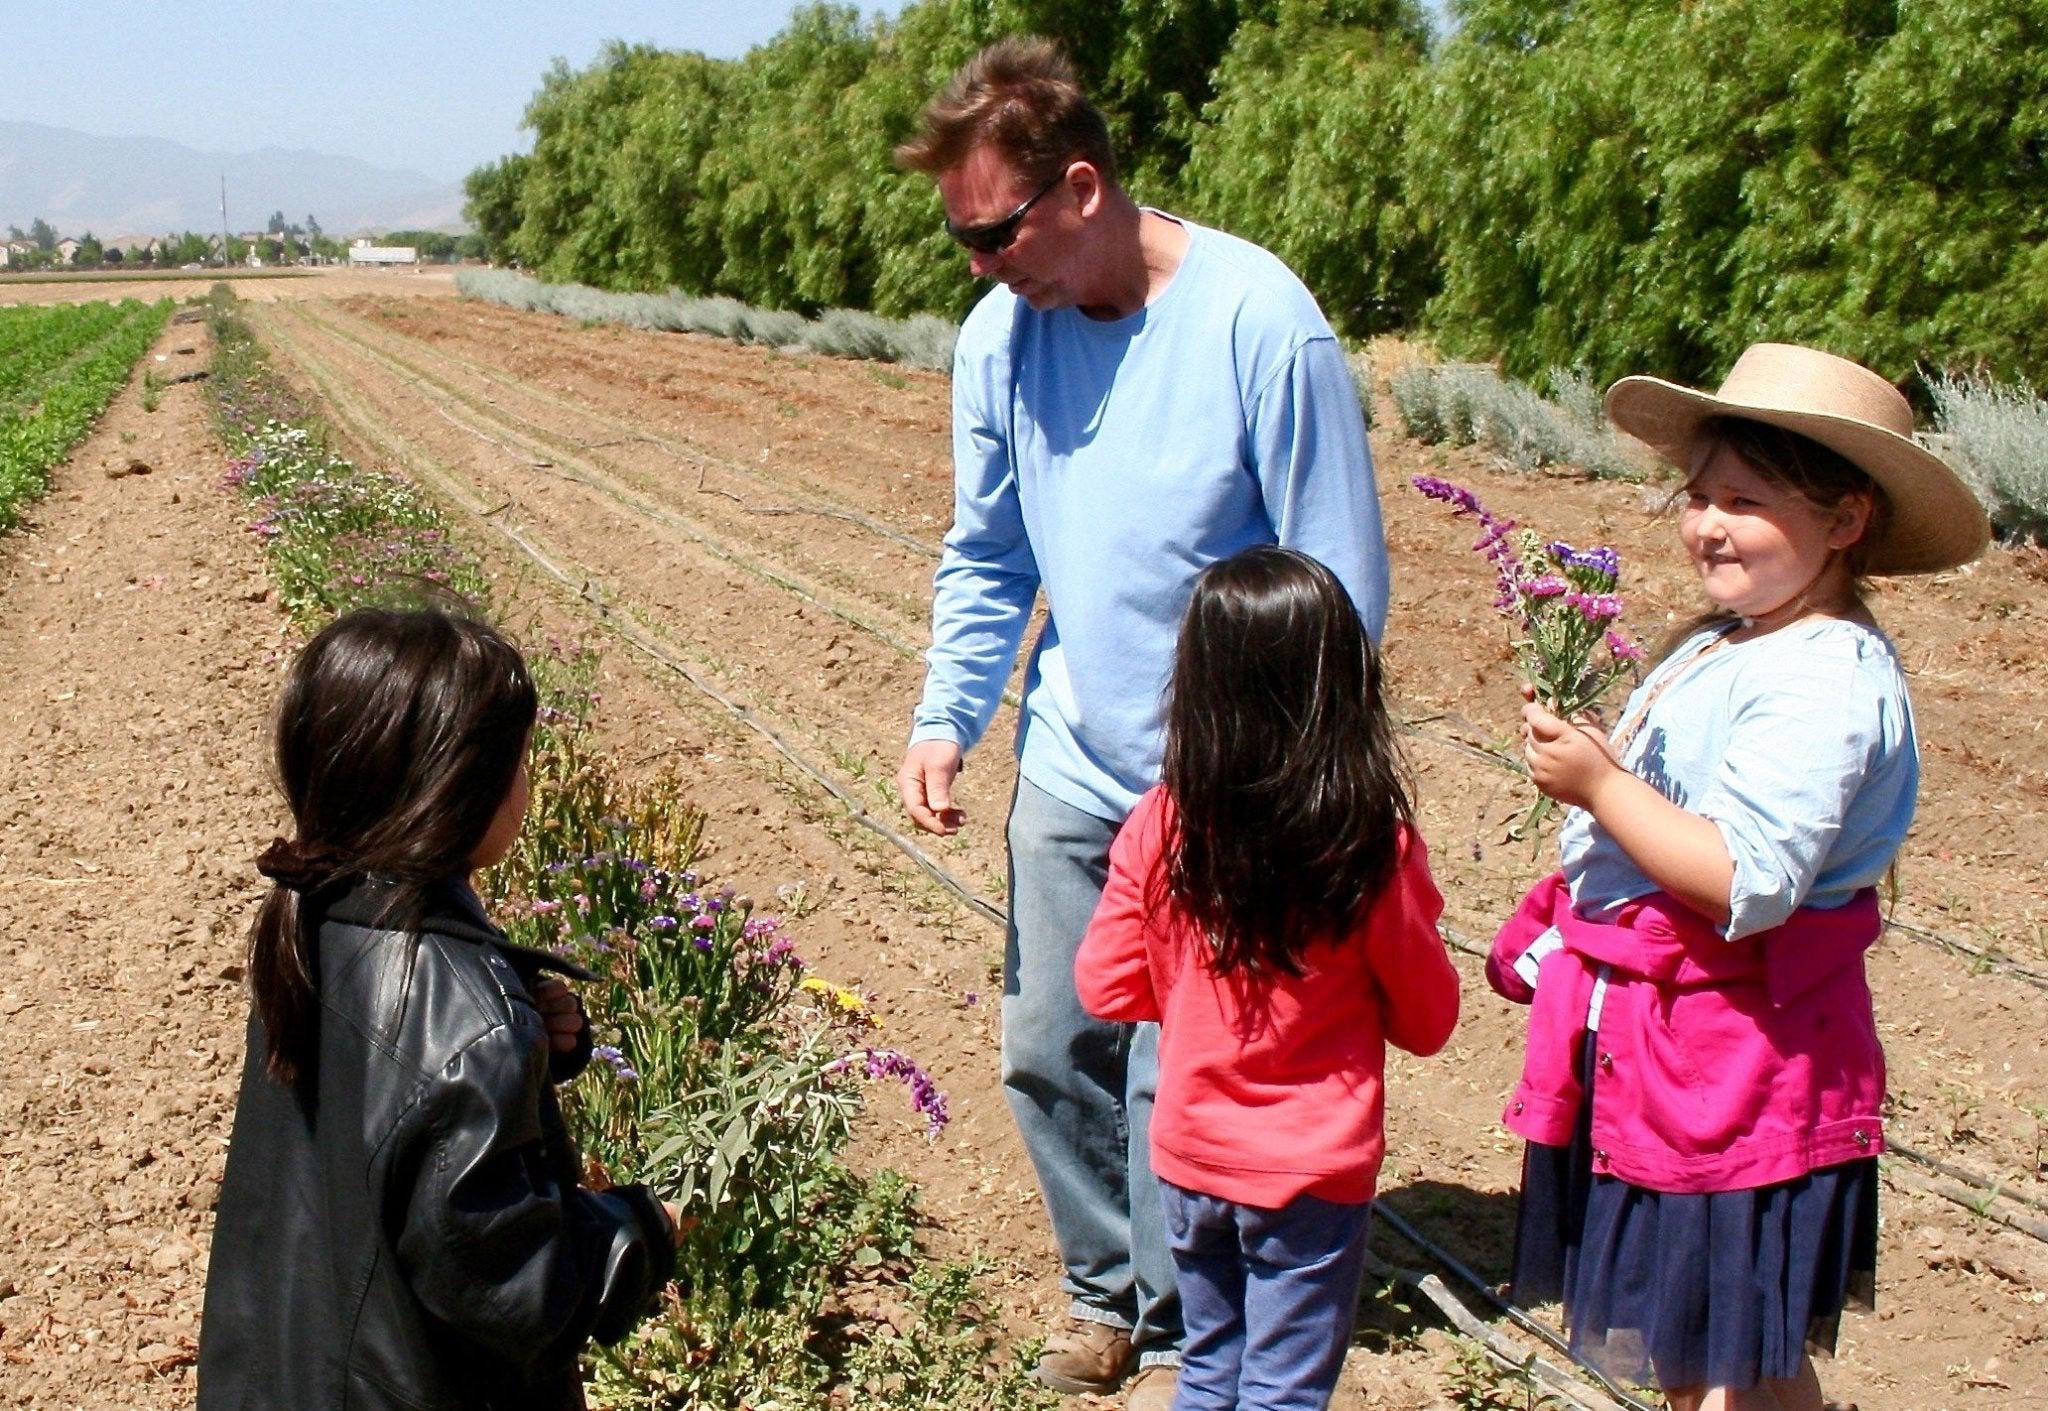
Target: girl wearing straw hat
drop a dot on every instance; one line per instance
(1702, 1089)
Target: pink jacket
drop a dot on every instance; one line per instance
(1722, 1065)
(1269, 1089)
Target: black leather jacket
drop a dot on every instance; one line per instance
(404, 1228)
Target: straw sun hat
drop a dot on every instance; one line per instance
(1935, 521)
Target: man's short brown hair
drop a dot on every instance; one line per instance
(1021, 97)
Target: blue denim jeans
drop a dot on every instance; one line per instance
(1270, 1297)
(1081, 1088)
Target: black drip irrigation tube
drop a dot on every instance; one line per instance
(1519, 1316)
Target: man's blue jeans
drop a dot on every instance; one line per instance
(1270, 1296)
(1081, 1088)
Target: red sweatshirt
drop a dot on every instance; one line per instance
(1269, 1087)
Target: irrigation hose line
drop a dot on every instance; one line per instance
(690, 455)
(644, 641)
(640, 638)
(532, 457)
(1559, 1384)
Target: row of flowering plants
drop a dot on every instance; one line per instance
(726, 1073)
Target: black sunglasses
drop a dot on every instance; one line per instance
(997, 235)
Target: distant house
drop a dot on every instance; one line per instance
(138, 246)
(67, 250)
(362, 252)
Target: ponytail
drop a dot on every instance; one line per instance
(397, 736)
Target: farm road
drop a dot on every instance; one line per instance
(134, 677)
(769, 522)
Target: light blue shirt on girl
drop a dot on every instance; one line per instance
(1798, 745)
(1109, 462)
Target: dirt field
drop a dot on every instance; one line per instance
(257, 286)
(766, 526)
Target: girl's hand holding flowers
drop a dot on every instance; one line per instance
(1568, 760)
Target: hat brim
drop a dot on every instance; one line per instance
(1936, 522)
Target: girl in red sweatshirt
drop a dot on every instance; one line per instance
(1270, 906)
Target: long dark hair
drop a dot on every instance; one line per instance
(1280, 760)
(397, 737)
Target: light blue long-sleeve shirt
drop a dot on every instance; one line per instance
(1109, 462)
(1798, 745)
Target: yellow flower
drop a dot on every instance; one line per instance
(844, 1002)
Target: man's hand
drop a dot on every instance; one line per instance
(925, 783)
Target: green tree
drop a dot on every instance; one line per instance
(1302, 151)
(787, 174)
(493, 204)
(609, 194)
(1945, 193)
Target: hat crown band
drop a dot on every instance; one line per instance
(1777, 377)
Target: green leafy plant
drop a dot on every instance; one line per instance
(59, 368)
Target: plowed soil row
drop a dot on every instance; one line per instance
(772, 519)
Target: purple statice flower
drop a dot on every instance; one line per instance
(1597, 608)
(1461, 500)
(621, 1069)
(661, 923)
(925, 1096)
(1602, 560)
(1622, 649)
(1561, 601)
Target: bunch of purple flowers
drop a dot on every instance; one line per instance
(1562, 601)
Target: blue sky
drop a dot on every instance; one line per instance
(410, 84)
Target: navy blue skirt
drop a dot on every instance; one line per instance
(1723, 1289)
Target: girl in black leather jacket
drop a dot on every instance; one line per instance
(400, 1224)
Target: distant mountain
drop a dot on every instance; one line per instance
(120, 186)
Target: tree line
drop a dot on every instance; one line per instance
(282, 242)
(1606, 185)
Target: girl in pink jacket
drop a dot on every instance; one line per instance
(1270, 906)
(1703, 1086)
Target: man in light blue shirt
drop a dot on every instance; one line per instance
(1138, 398)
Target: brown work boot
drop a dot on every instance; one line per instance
(1152, 1389)
(1087, 1357)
